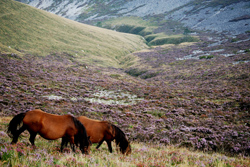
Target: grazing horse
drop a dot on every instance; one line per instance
(50, 127)
(100, 131)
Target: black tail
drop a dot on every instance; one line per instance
(81, 137)
(15, 124)
(121, 140)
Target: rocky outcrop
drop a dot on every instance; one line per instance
(216, 18)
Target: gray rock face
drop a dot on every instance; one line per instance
(216, 19)
(234, 18)
(150, 7)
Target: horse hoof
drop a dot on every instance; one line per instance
(34, 147)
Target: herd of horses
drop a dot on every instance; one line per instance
(78, 131)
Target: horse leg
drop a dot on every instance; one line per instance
(18, 132)
(72, 143)
(73, 147)
(64, 142)
(109, 146)
(99, 144)
(32, 138)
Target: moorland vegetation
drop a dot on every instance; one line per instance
(176, 107)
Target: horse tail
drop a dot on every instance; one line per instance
(15, 124)
(121, 140)
(81, 136)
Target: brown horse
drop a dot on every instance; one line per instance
(50, 127)
(100, 131)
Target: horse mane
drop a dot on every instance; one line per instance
(15, 123)
(82, 133)
(120, 139)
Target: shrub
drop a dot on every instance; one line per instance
(210, 57)
(135, 72)
(206, 57)
(202, 57)
(234, 40)
(149, 75)
(116, 76)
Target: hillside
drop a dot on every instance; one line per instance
(227, 16)
(189, 94)
(27, 30)
(198, 99)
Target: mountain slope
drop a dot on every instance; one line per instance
(25, 29)
(215, 15)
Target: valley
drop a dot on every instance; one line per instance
(179, 103)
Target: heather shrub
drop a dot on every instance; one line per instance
(135, 72)
(147, 75)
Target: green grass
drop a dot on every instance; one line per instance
(146, 28)
(47, 153)
(206, 57)
(161, 39)
(24, 29)
(131, 21)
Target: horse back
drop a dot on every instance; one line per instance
(33, 119)
(49, 126)
(97, 130)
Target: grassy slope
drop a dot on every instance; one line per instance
(29, 30)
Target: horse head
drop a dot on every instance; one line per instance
(86, 148)
(128, 150)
